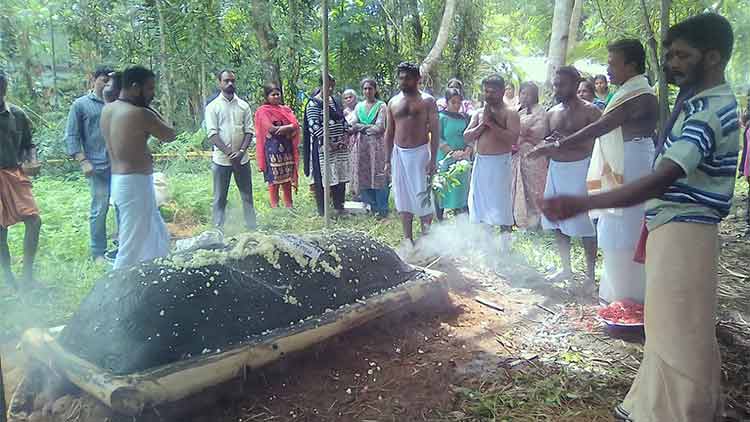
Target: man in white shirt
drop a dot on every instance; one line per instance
(229, 124)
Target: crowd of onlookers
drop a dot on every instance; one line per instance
(589, 167)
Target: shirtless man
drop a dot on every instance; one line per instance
(629, 120)
(494, 129)
(568, 167)
(126, 125)
(412, 136)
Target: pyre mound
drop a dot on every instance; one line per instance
(186, 305)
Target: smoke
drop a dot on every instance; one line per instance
(478, 246)
(234, 222)
(458, 239)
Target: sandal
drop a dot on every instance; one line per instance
(621, 415)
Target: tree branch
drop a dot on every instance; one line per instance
(606, 22)
(442, 39)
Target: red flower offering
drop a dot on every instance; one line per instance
(622, 312)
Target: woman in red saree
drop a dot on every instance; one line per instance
(277, 151)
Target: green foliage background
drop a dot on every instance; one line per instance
(368, 38)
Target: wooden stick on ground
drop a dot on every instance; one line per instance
(489, 304)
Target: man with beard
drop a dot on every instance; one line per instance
(126, 125)
(412, 136)
(568, 167)
(112, 89)
(229, 126)
(689, 193)
(494, 129)
(85, 143)
(624, 152)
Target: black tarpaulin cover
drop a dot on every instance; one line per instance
(186, 305)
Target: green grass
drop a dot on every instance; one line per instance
(550, 393)
(63, 261)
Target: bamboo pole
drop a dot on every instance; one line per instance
(326, 176)
(3, 405)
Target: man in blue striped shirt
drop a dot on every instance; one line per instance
(85, 143)
(689, 193)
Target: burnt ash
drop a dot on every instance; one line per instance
(155, 314)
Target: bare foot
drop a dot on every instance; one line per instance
(561, 275)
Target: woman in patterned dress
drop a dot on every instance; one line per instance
(529, 174)
(339, 166)
(368, 120)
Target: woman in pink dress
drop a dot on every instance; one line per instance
(745, 162)
(529, 175)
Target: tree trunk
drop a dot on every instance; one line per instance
(166, 76)
(651, 42)
(440, 41)
(664, 111)
(267, 39)
(416, 23)
(558, 45)
(653, 53)
(202, 94)
(294, 54)
(54, 61)
(575, 22)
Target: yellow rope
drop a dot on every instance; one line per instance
(189, 155)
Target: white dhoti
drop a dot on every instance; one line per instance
(411, 190)
(618, 232)
(568, 178)
(142, 232)
(679, 377)
(490, 199)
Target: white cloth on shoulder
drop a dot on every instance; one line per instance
(410, 183)
(618, 234)
(142, 233)
(568, 178)
(624, 230)
(607, 169)
(490, 199)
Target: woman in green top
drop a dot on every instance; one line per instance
(368, 122)
(452, 148)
